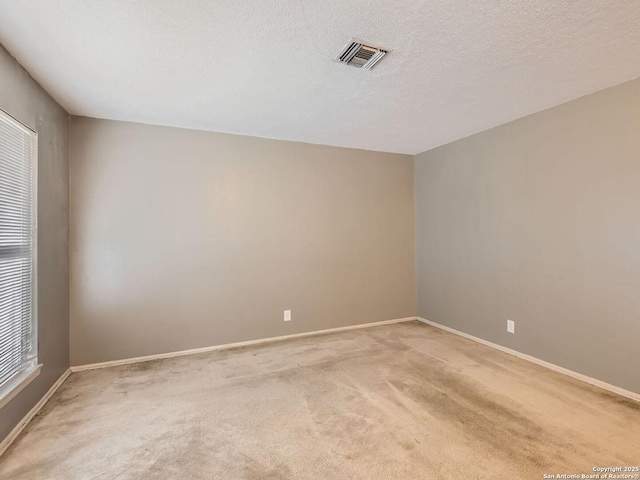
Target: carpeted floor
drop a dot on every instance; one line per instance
(402, 401)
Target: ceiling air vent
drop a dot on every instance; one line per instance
(358, 54)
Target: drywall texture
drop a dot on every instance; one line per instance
(266, 68)
(183, 239)
(538, 221)
(24, 99)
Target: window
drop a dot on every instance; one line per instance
(18, 343)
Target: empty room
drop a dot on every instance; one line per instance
(286, 239)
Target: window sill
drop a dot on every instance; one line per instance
(14, 386)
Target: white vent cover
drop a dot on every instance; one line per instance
(358, 54)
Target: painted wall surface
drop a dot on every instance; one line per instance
(24, 99)
(183, 239)
(538, 221)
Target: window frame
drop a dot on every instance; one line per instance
(32, 368)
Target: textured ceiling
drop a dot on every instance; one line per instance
(266, 68)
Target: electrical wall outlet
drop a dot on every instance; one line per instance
(511, 326)
(287, 315)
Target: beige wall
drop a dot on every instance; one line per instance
(538, 221)
(24, 99)
(183, 239)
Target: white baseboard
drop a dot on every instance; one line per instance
(537, 361)
(6, 443)
(147, 358)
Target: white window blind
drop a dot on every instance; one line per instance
(18, 348)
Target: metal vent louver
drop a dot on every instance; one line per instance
(357, 54)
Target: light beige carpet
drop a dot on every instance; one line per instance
(403, 401)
